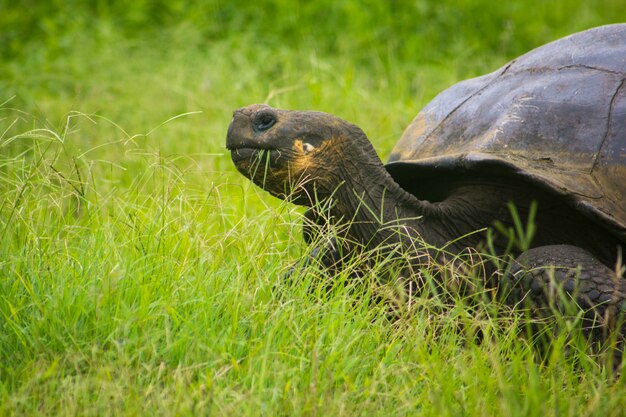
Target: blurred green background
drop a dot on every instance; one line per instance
(145, 61)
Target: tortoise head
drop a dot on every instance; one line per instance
(300, 156)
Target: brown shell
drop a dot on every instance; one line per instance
(556, 115)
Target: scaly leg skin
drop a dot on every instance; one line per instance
(562, 276)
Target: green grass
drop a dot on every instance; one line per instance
(140, 274)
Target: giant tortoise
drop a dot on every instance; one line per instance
(545, 134)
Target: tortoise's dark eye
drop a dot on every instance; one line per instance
(264, 121)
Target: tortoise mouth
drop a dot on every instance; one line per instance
(244, 153)
(250, 156)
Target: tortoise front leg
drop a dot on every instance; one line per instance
(564, 276)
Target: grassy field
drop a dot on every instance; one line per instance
(140, 274)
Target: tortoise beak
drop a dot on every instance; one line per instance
(244, 130)
(240, 134)
(246, 138)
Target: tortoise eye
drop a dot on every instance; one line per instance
(264, 121)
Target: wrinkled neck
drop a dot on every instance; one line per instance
(378, 212)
